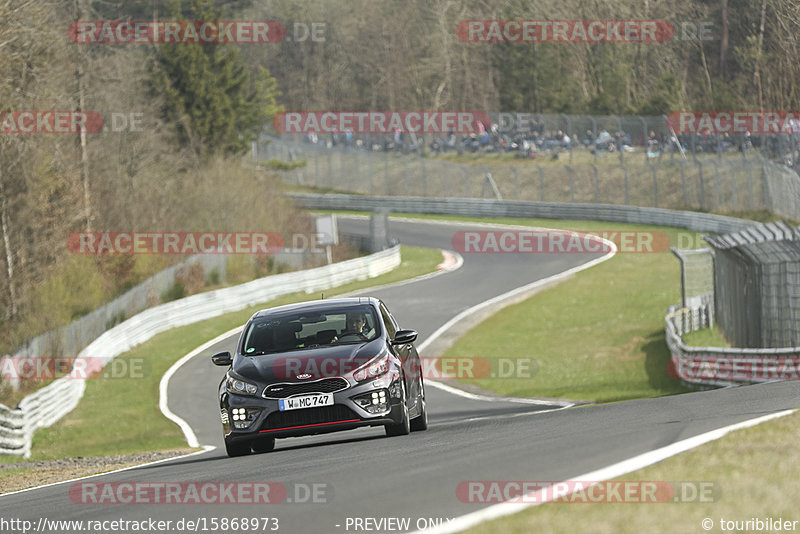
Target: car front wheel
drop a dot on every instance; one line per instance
(241, 448)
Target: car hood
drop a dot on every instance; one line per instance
(320, 362)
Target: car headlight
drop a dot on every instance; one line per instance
(238, 386)
(374, 368)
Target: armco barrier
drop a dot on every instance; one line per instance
(477, 207)
(47, 405)
(719, 366)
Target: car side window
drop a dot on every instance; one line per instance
(388, 321)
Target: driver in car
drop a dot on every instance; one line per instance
(355, 322)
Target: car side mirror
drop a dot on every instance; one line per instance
(403, 337)
(222, 358)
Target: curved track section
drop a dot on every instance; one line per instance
(366, 475)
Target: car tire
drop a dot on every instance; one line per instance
(420, 422)
(263, 445)
(237, 449)
(403, 428)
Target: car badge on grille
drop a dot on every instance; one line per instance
(303, 376)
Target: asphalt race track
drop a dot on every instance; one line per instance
(364, 474)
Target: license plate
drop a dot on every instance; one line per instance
(306, 401)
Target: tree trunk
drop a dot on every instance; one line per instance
(11, 312)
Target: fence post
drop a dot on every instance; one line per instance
(371, 172)
(405, 178)
(346, 182)
(702, 186)
(716, 184)
(446, 179)
(516, 182)
(424, 177)
(330, 170)
(627, 196)
(683, 185)
(655, 185)
(596, 184)
(357, 170)
(571, 184)
(386, 171)
(541, 182)
(570, 133)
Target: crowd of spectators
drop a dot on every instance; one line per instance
(532, 139)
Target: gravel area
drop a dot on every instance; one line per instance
(21, 475)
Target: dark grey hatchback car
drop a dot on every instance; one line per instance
(317, 367)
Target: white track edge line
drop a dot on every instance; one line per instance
(499, 298)
(163, 385)
(640, 461)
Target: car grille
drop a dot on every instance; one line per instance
(290, 389)
(308, 416)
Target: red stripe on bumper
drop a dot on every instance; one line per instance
(306, 426)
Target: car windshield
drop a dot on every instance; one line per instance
(308, 329)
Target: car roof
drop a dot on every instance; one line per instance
(316, 305)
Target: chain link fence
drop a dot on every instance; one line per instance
(707, 183)
(757, 276)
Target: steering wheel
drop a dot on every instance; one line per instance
(352, 336)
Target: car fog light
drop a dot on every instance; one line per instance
(374, 402)
(244, 417)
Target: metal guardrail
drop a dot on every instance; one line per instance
(719, 366)
(48, 404)
(476, 207)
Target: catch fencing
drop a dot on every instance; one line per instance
(48, 404)
(753, 291)
(757, 276)
(705, 183)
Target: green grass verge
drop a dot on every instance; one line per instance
(598, 337)
(706, 337)
(121, 416)
(749, 471)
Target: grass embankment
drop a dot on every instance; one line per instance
(121, 416)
